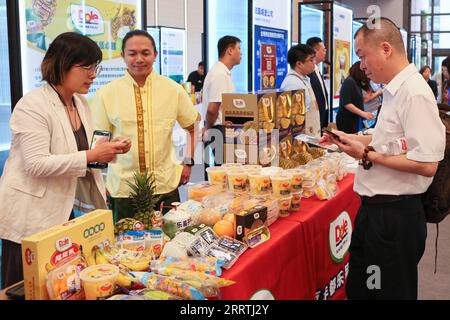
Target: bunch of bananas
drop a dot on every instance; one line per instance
(109, 255)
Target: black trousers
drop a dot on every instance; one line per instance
(217, 154)
(12, 271)
(122, 207)
(389, 238)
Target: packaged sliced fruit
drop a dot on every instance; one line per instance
(259, 184)
(227, 257)
(237, 181)
(281, 185)
(324, 191)
(209, 265)
(257, 237)
(232, 245)
(217, 176)
(200, 190)
(285, 206)
(296, 201)
(172, 286)
(195, 275)
(155, 295)
(64, 282)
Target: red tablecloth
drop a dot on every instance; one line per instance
(297, 262)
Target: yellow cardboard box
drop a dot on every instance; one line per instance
(43, 251)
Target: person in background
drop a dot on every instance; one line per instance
(425, 71)
(49, 156)
(441, 78)
(301, 59)
(352, 100)
(317, 82)
(197, 77)
(390, 229)
(144, 106)
(218, 81)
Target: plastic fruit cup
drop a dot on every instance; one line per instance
(296, 201)
(237, 181)
(259, 184)
(281, 185)
(285, 206)
(297, 180)
(217, 176)
(99, 281)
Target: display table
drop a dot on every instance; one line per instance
(297, 262)
(301, 259)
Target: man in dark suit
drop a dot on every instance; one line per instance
(317, 83)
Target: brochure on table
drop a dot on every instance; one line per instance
(105, 22)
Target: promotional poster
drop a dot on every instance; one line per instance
(105, 22)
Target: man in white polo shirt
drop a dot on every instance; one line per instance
(390, 229)
(218, 81)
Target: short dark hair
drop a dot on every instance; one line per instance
(422, 70)
(359, 76)
(201, 64)
(68, 49)
(137, 33)
(226, 42)
(313, 42)
(299, 53)
(445, 62)
(388, 32)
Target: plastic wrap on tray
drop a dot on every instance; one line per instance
(208, 265)
(172, 286)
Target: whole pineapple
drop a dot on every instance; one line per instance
(127, 224)
(143, 198)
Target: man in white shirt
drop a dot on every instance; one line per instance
(390, 229)
(301, 60)
(317, 82)
(219, 81)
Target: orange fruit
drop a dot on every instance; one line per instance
(230, 217)
(224, 228)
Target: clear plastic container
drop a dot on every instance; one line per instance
(259, 184)
(296, 201)
(217, 176)
(285, 206)
(297, 180)
(281, 185)
(237, 181)
(99, 281)
(199, 191)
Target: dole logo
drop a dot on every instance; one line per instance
(89, 17)
(87, 20)
(63, 244)
(340, 234)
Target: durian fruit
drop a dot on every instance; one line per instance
(285, 122)
(251, 125)
(316, 152)
(288, 164)
(302, 158)
(299, 119)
